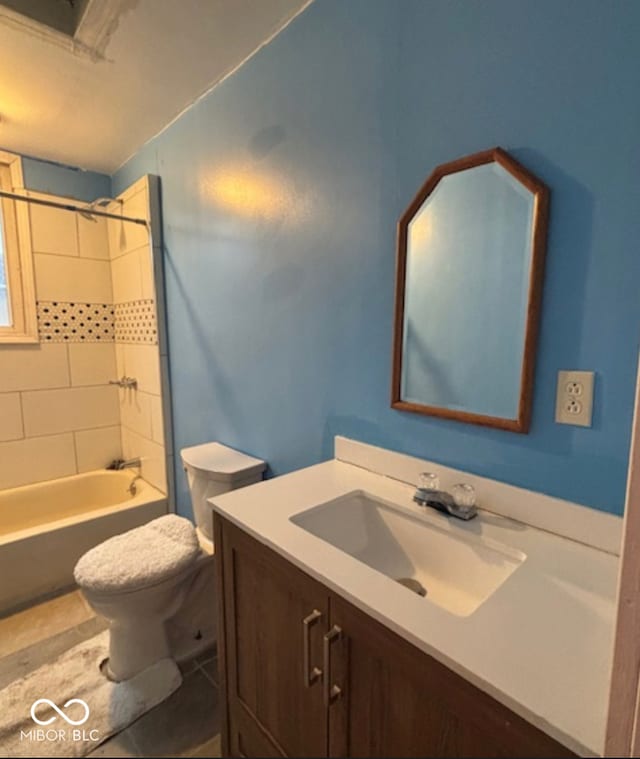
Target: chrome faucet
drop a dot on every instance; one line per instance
(133, 488)
(460, 504)
(120, 464)
(125, 382)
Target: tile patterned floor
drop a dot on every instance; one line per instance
(187, 724)
(40, 622)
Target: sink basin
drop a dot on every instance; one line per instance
(458, 570)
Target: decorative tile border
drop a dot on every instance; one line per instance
(135, 322)
(64, 322)
(131, 322)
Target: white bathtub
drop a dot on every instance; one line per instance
(45, 528)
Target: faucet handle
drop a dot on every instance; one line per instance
(464, 495)
(464, 499)
(429, 481)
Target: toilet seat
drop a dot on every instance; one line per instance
(140, 558)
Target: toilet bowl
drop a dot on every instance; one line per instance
(155, 584)
(137, 581)
(211, 469)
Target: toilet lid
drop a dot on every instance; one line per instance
(140, 557)
(221, 463)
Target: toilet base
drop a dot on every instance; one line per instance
(193, 629)
(134, 647)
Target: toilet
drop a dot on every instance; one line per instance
(155, 584)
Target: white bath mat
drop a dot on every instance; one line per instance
(67, 707)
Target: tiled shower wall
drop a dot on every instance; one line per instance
(96, 322)
(58, 414)
(136, 335)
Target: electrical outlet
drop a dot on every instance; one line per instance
(574, 398)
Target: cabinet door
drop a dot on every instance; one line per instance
(394, 700)
(273, 710)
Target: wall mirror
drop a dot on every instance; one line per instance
(469, 273)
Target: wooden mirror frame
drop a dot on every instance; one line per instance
(539, 240)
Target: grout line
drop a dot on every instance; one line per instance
(130, 736)
(66, 387)
(210, 680)
(131, 250)
(24, 428)
(75, 452)
(68, 355)
(37, 437)
(69, 432)
(144, 437)
(68, 255)
(146, 392)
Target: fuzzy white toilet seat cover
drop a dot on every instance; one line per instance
(140, 557)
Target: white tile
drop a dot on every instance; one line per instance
(152, 455)
(53, 231)
(127, 278)
(119, 359)
(143, 363)
(50, 411)
(93, 238)
(125, 236)
(157, 425)
(31, 367)
(135, 411)
(10, 417)
(72, 279)
(137, 207)
(36, 459)
(96, 449)
(140, 185)
(92, 363)
(116, 234)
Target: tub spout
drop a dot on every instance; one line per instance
(119, 464)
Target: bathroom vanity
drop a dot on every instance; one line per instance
(323, 653)
(382, 696)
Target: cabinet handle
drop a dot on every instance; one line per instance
(331, 692)
(310, 675)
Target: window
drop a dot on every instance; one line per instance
(18, 322)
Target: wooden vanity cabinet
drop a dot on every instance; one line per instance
(384, 697)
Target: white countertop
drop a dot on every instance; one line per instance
(541, 644)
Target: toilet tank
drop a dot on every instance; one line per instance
(213, 469)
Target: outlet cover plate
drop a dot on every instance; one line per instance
(574, 398)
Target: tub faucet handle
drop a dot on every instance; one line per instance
(125, 382)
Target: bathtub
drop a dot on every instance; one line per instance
(46, 527)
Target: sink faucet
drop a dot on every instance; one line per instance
(120, 464)
(460, 505)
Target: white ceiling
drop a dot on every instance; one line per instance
(136, 64)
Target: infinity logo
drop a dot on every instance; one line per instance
(60, 712)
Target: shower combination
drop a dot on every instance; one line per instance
(90, 211)
(99, 203)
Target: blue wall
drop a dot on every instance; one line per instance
(281, 190)
(68, 181)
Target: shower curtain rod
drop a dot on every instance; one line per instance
(70, 207)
